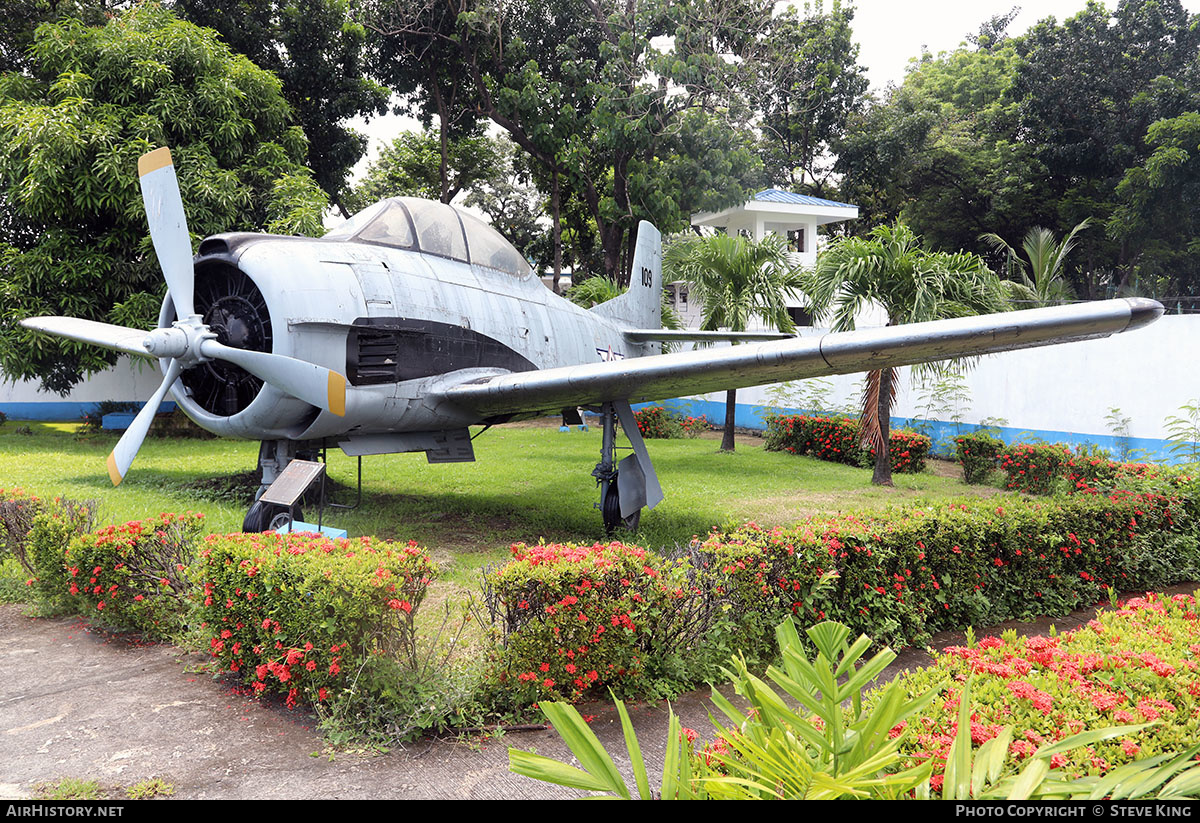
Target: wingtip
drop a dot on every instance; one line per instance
(114, 474)
(153, 161)
(337, 394)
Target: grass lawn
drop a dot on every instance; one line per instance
(529, 481)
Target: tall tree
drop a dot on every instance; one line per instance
(73, 240)
(411, 165)
(912, 285)
(1088, 89)
(736, 280)
(809, 84)
(317, 48)
(590, 92)
(1156, 220)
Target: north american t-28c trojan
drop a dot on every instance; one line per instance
(413, 320)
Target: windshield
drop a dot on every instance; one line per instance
(433, 228)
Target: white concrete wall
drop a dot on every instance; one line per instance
(1147, 374)
(127, 381)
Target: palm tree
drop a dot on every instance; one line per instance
(1046, 258)
(736, 281)
(890, 268)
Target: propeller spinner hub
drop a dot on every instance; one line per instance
(181, 341)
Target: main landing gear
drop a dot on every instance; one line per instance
(629, 486)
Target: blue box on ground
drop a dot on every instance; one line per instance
(117, 421)
(328, 531)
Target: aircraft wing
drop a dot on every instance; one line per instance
(660, 377)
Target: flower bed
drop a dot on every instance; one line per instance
(581, 618)
(656, 423)
(1134, 665)
(901, 576)
(837, 439)
(135, 575)
(303, 615)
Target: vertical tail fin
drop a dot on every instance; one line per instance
(641, 306)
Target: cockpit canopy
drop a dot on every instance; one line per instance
(433, 228)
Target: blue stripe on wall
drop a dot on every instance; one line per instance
(59, 410)
(753, 417)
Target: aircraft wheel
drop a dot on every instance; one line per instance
(266, 517)
(611, 511)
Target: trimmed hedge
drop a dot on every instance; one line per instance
(901, 576)
(307, 616)
(576, 619)
(837, 439)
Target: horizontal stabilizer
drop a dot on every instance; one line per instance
(697, 336)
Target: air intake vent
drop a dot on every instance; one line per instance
(373, 356)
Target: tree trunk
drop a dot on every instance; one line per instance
(883, 458)
(556, 216)
(730, 408)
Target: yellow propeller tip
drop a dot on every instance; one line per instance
(337, 394)
(153, 161)
(114, 474)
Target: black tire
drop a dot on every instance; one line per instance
(611, 511)
(265, 517)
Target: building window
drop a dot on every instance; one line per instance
(800, 315)
(796, 238)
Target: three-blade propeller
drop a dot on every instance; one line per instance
(188, 341)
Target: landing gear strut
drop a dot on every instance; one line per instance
(606, 473)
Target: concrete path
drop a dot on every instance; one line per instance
(81, 703)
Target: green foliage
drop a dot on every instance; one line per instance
(135, 576)
(74, 241)
(149, 789)
(1183, 441)
(70, 788)
(54, 526)
(577, 618)
(1097, 702)
(312, 618)
(736, 281)
(1118, 427)
(979, 455)
(655, 422)
(890, 268)
(410, 166)
(621, 124)
(1034, 467)
(317, 49)
(1042, 281)
(809, 84)
(875, 749)
(840, 439)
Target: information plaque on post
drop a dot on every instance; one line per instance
(293, 482)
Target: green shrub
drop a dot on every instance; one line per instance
(54, 526)
(576, 619)
(837, 439)
(1034, 468)
(135, 575)
(312, 618)
(907, 452)
(909, 572)
(978, 454)
(656, 422)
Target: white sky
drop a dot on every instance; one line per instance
(889, 34)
